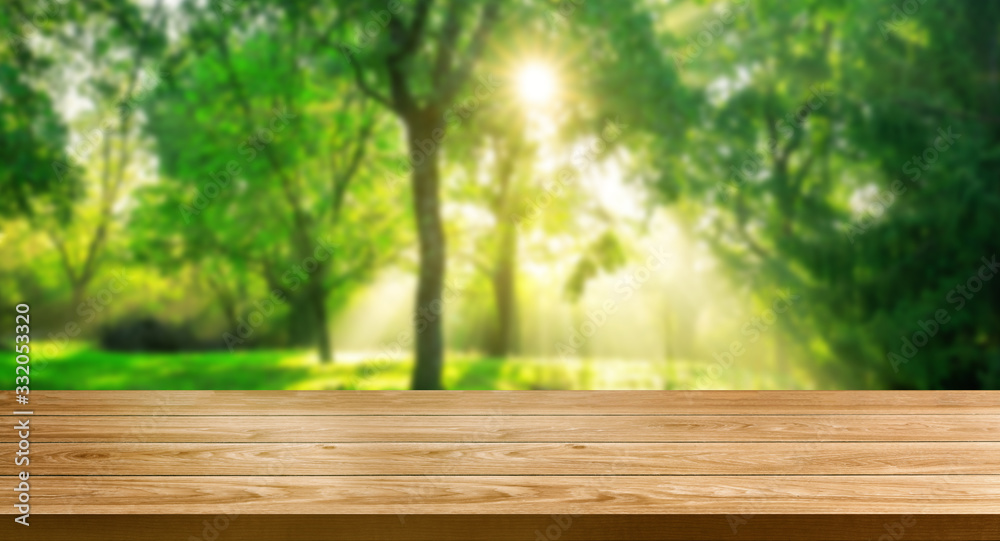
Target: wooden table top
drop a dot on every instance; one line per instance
(507, 465)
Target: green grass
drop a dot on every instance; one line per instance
(79, 367)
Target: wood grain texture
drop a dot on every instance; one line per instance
(136, 459)
(846, 494)
(680, 428)
(380, 465)
(674, 527)
(283, 403)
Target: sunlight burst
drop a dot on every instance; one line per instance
(536, 84)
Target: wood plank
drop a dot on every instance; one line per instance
(283, 403)
(341, 429)
(846, 494)
(508, 459)
(677, 527)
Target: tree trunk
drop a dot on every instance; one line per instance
(229, 311)
(505, 292)
(79, 290)
(302, 323)
(428, 333)
(324, 343)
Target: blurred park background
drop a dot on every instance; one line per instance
(530, 194)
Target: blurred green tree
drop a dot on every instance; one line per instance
(267, 152)
(421, 90)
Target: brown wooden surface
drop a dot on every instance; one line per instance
(514, 428)
(435, 494)
(498, 465)
(833, 458)
(257, 403)
(479, 527)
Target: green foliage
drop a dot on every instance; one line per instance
(32, 134)
(605, 254)
(847, 151)
(806, 113)
(267, 162)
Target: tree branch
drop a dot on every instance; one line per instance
(63, 256)
(801, 174)
(299, 217)
(343, 179)
(359, 77)
(449, 37)
(407, 39)
(461, 73)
